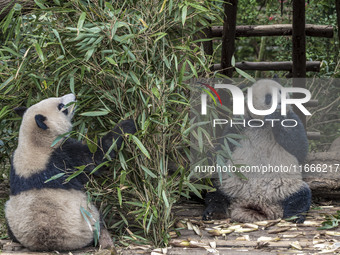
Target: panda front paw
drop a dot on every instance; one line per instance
(207, 214)
(298, 204)
(300, 219)
(216, 205)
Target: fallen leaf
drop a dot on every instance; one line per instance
(197, 230)
(233, 227)
(286, 224)
(267, 223)
(332, 233)
(173, 234)
(291, 235)
(310, 223)
(219, 232)
(278, 230)
(268, 239)
(190, 226)
(243, 238)
(212, 244)
(179, 224)
(244, 230)
(250, 225)
(296, 245)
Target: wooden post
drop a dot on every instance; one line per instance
(299, 39)
(299, 50)
(228, 36)
(337, 7)
(208, 45)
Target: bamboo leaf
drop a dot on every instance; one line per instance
(98, 167)
(198, 7)
(111, 61)
(81, 21)
(245, 75)
(134, 78)
(40, 53)
(56, 33)
(148, 172)
(193, 189)
(119, 194)
(95, 113)
(76, 173)
(140, 146)
(184, 14)
(59, 138)
(54, 177)
(159, 35)
(165, 199)
(163, 5)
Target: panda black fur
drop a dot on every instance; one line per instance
(273, 195)
(46, 216)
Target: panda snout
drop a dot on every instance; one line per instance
(68, 99)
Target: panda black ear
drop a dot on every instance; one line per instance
(20, 110)
(39, 119)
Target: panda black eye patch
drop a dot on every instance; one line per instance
(268, 99)
(60, 106)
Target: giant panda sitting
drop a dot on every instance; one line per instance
(43, 213)
(272, 195)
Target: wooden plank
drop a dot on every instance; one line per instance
(228, 38)
(229, 251)
(312, 103)
(278, 244)
(275, 30)
(248, 244)
(312, 66)
(313, 135)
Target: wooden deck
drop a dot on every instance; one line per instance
(267, 237)
(223, 237)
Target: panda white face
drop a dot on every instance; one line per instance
(263, 96)
(46, 120)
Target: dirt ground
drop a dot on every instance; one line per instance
(223, 237)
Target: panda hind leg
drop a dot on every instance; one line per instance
(105, 240)
(10, 233)
(298, 204)
(217, 205)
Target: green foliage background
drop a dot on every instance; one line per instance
(131, 59)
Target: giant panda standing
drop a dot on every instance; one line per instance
(271, 195)
(44, 214)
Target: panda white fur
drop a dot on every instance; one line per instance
(46, 216)
(272, 195)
